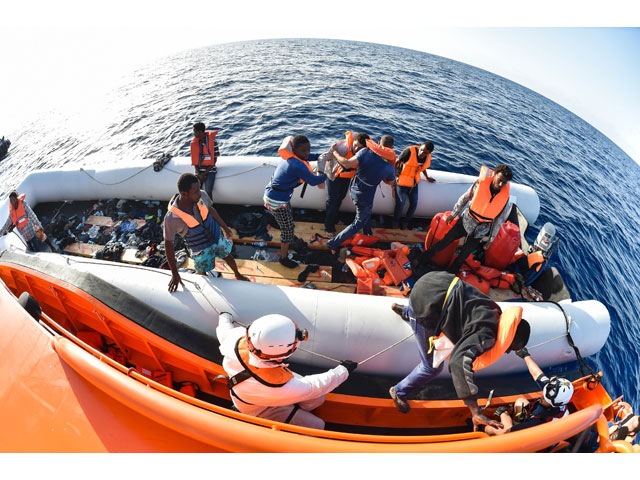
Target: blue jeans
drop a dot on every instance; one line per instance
(34, 244)
(209, 181)
(336, 191)
(401, 194)
(424, 372)
(361, 222)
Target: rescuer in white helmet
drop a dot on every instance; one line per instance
(261, 384)
(552, 405)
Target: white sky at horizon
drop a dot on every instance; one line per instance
(68, 50)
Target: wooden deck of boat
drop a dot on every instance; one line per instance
(274, 273)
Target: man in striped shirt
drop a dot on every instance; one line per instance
(21, 216)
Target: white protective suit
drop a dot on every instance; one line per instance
(275, 403)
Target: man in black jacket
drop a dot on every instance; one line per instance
(442, 303)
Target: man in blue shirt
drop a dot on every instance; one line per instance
(371, 170)
(290, 174)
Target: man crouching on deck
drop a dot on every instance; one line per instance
(191, 216)
(260, 381)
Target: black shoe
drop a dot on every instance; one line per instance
(287, 262)
(400, 402)
(397, 309)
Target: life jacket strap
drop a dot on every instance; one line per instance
(238, 378)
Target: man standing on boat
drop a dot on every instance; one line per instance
(204, 153)
(260, 381)
(412, 162)
(21, 216)
(373, 164)
(192, 216)
(483, 208)
(337, 189)
(290, 174)
(451, 317)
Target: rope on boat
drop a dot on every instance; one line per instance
(115, 183)
(264, 164)
(595, 379)
(388, 348)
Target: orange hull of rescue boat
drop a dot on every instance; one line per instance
(45, 406)
(58, 396)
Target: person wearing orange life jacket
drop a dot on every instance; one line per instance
(260, 381)
(483, 208)
(22, 217)
(440, 303)
(204, 154)
(412, 162)
(191, 215)
(291, 173)
(373, 164)
(337, 189)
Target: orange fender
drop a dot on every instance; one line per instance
(622, 446)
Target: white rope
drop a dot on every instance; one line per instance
(115, 183)
(388, 348)
(548, 341)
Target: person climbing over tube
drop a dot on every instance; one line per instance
(412, 162)
(454, 319)
(373, 164)
(290, 174)
(337, 188)
(192, 216)
(21, 216)
(204, 154)
(483, 207)
(556, 393)
(260, 381)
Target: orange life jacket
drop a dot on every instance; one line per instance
(271, 377)
(508, 324)
(208, 159)
(19, 215)
(509, 321)
(385, 153)
(411, 169)
(190, 220)
(483, 208)
(340, 171)
(535, 260)
(286, 152)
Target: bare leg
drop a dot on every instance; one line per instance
(232, 263)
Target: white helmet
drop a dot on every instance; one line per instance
(274, 337)
(558, 391)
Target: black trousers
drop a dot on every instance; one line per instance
(456, 233)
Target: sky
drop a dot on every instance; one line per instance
(581, 55)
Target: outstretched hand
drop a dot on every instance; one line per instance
(523, 353)
(173, 283)
(349, 365)
(480, 419)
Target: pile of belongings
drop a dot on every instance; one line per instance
(126, 231)
(252, 225)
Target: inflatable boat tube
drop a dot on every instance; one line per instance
(239, 181)
(341, 325)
